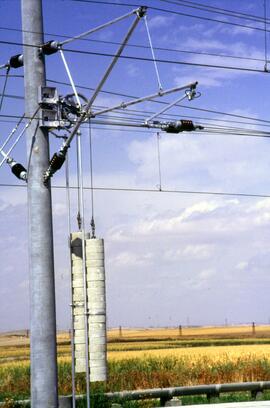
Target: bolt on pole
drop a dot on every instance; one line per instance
(42, 286)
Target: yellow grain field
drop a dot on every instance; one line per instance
(222, 331)
(194, 354)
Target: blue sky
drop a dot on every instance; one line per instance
(170, 258)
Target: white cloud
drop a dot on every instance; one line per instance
(242, 265)
(159, 21)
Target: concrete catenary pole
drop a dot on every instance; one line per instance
(42, 286)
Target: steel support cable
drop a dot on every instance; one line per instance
(70, 77)
(166, 108)
(81, 192)
(141, 125)
(166, 116)
(157, 101)
(92, 222)
(4, 88)
(153, 53)
(138, 123)
(141, 114)
(220, 9)
(265, 38)
(18, 137)
(12, 132)
(166, 103)
(130, 57)
(174, 12)
(115, 58)
(79, 204)
(159, 161)
(93, 30)
(152, 101)
(3, 66)
(215, 10)
(68, 206)
(140, 46)
(166, 61)
(135, 5)
(149, 190)
(102, 126)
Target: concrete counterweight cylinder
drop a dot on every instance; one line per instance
(78, 300)
(96, 291)
(96, 307)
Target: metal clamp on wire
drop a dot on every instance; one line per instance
(17, 169)
(191, 93)
(141, 11)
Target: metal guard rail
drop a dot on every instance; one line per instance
(212, 390)
(166, 394)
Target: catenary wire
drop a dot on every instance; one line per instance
(164, 61)
(141, 114)
(265, 36)
(149, 190)
(219, 9)
(197, 6)
(152, 101)
(130, 45)
(173, 12)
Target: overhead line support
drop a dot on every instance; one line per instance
(44, 390)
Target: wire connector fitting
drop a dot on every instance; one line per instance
(141, 11)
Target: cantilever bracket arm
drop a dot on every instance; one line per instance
(124, 105)
(59, 158)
